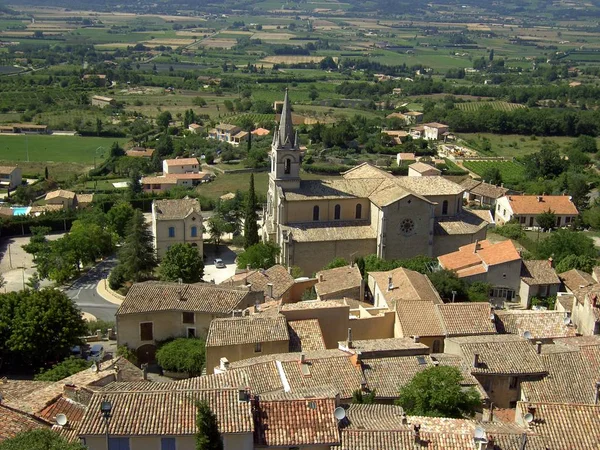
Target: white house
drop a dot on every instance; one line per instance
(525, 208)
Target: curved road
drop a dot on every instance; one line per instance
(83, 292)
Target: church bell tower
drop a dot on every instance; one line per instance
(285, 151)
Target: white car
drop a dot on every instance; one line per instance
(219, 264)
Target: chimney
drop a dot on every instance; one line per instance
(476, 244)
(270, 290)
(349, 341)
(539, 198)
(352, 263)
(390, 284)
(256, 306)
(476, 360)
(417, 434)
(145, 371)
(531, 410)
(180, 295)
(302, 358)
(551, 262)
(538, 347)
(243, 395)
(404, 419)
(597, 396)
(224, 364)
(290, 270)
(491, 444)
(321, 278)
(416, 339)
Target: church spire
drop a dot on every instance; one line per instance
(286, 129)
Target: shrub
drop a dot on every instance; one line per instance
(68, 367)
(127, 353)
(511, 231)
(117, 277)
(182, 355)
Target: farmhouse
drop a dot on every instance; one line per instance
(525, 208)
(226, 132)
(195, 128)
(10, 176)
(103, 102)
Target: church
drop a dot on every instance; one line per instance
(365, 211)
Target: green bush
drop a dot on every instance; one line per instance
(510, 230)
(127, 353)
(182, 355)
(68, 367)
(117, 277)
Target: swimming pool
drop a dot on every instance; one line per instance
(20, 210)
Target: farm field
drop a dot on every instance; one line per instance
(68, 149)
(497, 105)
(512, 172)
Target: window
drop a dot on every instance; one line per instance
(359, 211)
(171, 232)
(287, 166)
(194, 231)
(337, 212)
(191, 332)
(146, 331)
(558, 221)
(512, 382)
(118, 443)
(531, 221)
(189, 317)
(316, 212)
(522, 219)
(445, 207)
(512, 404)
(167, 444)
(567, 220)
(436, 346)
(257, 347)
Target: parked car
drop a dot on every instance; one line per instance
(96, 353)
(219, 264)
(77, 351)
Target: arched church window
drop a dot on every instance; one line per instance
(337, 212)
(287, 166)
(359, 211)
(316, 212)
(445, 207)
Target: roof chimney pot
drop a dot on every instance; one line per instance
(349, 342)
(476, 360)
(538, 347)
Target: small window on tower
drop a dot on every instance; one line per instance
(287, 166)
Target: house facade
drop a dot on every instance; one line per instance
(538, 279)
(229, 133)
(103, 102)
(10, 177)
(179, 166)
(177, 222)
(525, 209)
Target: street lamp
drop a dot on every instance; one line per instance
(105, 409)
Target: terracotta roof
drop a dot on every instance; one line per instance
(175, 209)
(151, 296)
(143, 153)
(575, 279)
(227, 127)
(159, 180)
(181, 162)
(566, 300)
(536, 272)
(461, 319)
(60, 193)
(104, 99)
(73, 410)
(295, 423)
(277, 275)
(247, 330)
(406, 156)
(541, 324)
(195, 126)
(13, 391)
(305, 335)
(261, 132)
(312, 304)
(386, 346)
(188, 176)
(484, 189)
(435, 125)
(330, 231)
(84, 199)
(407, 285)
(15, 422)
(162, 413)
(466, 261)
(338, 280)
(333, 189)
(531, 205)
(500, 354)
(580, 341)
(418, 318)
(422, 167)
(564, 425)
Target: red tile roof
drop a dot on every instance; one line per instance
(537, 204)
(467, 261)
(14, 422)
(181, 161)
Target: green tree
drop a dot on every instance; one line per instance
(127, 353)
(137, 253)
(250, 217)
(586, 144)
(491, 57)
(207, 426)
(184, 355)
(135, 185)
(42, 439)
(580, 262)
(163, 120)
(228, 105)
(360, 398)
(99, 126)
(116, 150)
(199, 101)
(217, 227)
(259, 256)
(68, 367)
(118, 216)
(337, 262)
(182, 261)
(479, 291)
(446, 282)
(492, 175)
(546, 220)
(563, 243)
(437, 392)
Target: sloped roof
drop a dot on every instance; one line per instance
(181, 161)
(538, 204)
(60, 193)
(461, 319)
(419, 318)
(407, 285)
(575, 279)
(541, 324)
(422, 168)
(466, 222)
(476, 257)
(330, 231)
(338, 279)
(246, 330)
(536, 272)
(176, 209)
(305, 335)
(15, 422)
(152, 296)
(7, 170)
(277, 275)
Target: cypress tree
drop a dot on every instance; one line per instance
(137, 254)
(207, 434)
(250, 217)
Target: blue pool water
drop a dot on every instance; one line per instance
(20, 210)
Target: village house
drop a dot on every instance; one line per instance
(140, 152)
(538, 279)
(482, 193)
(435, 131)
(195, 128)
(180, 165)
(497, 264)
(397, 285)
(103, 102)
(586, 312)
(10, 177)
(276, 283)
(398, 136)
(305, 336)
(260, 132)
(525, 209)
(225, 132)
(68, 199)
(575, 280)
(176, 172)
(177, 222)
(404, 159)
(536, 325)
(182, 310)
(340, 282)
(420, 169)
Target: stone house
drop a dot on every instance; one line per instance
(229, 133)
(420, 169)
(276, 282)
(482, 193)
(103, 102)
(181, 165)
(538, 279)
(340, 282)
(176, 222)
(10, 177)
(586, 312)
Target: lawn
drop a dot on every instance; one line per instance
(72, 149)
(512, 172)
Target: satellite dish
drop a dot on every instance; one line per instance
(339, 413)
(528, 417)
(527, 335)
(567, 321)
(479, 433)
(61, 419)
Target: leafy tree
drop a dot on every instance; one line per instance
(38, 242)
(99, 126)
(38, 326)
(207, 426)
(578, 159)
(250, 217)
(217, 227)
(127, 353)
(163, 120)
(581, 262)
(118, 216)
(491, 57)
(578, 187)
(446, 281)
(68, 367)
(437, 392)
(199, 101)
(137, 253)
(546, 220)
(563, 243)
(24, 195)
(337, 262)
(228, 105)
(492, 175)
(510, 230)
(42, 439)
(185, 355)
(586, 144)
(591, 217)
(358, 398)
(259, 256)
(547, 163)
(479, 291)
(182, 261)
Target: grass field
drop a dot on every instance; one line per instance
(69, 149)
(498, 105)
(512, 172)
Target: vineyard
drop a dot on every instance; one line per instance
(32, 98)
(512, 172)
(497, 105)
(256, 118)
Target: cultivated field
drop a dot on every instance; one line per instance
(497, 105)
(512, 172)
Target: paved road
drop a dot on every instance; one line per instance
(83, 292)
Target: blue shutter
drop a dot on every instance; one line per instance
(167, 444)
(120, 443)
